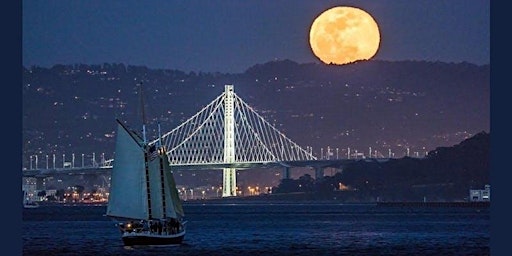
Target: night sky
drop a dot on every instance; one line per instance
(231, 36)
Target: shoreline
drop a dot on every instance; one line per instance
(480, 204)
(300, 198)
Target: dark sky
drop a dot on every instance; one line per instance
(231, 36)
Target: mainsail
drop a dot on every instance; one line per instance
(128, 197)
(165, 202)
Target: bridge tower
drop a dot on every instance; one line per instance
(229, 174)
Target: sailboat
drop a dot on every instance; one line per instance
(143, 199)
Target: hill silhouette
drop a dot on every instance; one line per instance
(446, 174)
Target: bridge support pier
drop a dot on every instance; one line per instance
(286, 173)
(319, 173)
(229, 182)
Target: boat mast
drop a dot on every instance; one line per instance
(143, 115)
(146, 160)
(159, 136)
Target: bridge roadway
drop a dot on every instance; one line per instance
(318, 165)
(43, 173)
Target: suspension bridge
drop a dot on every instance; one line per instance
(226, 134)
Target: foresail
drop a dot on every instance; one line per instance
(172, 190)
(128, 193)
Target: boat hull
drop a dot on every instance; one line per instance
(131, 239)
(30, 205)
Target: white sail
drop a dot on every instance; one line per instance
(128, 196)
(163, 194)
(157, 197)
(173, 192)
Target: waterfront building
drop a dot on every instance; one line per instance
(480, 195)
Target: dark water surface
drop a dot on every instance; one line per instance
(285, 228)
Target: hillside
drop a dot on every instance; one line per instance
(384, 105)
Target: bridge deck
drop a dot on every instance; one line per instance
(337, 163)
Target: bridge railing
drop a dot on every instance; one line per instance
(41, 162)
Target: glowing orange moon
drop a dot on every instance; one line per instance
(343, 35)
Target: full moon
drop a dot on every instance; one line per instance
(344, 35)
